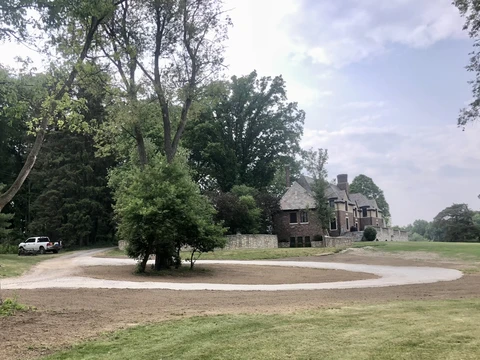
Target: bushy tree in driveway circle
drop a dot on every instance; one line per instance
(160, 209)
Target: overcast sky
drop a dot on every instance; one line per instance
(381, 82)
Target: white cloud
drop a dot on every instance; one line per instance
(421, 170)
(341, 32)
(364, 104)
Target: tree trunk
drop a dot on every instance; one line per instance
(8, 196)
(163, 259)
(143, 263)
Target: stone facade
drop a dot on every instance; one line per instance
(257, 241)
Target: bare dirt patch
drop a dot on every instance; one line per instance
(228, 274)
(68, 316)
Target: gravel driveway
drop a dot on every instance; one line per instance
(62, 272)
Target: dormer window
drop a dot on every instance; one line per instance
(346, 206)
(332, 203)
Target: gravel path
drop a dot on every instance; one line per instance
(62, 273)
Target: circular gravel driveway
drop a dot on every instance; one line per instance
(61, 273)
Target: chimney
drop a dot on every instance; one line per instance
(342, 183)
(287, 176)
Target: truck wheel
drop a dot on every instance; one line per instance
(42, 250)
(21, 251)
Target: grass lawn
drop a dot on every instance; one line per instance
(244, 254)
(14, 265)
(405, 330)
(462, 251)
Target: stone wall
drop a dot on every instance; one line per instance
(337, 242)
(122, 244)
(388, 234)
(257, 241)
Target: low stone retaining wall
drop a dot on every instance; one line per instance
(122, 245)
(388, 234)
(257, 241)
(337, 242)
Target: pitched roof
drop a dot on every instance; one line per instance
(297, 197)
(361, 201)
(300, 196)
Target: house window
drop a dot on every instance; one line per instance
(308, 243)
(356, 226)
(355, 212)
(347, 224)
(332, 203)
(304, 217)
(299, 241)
(333, 224)
(364, 212)
(346, 206)
(376, 213)
(293, 218)
(292, 242)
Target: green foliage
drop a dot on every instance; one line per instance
(416, 237)
(248, 133)
(315, 162)
(10, 306)
(160, 209)
(369, 234)
(470, 10)
(455, 224)
(245, 210)
(420, 227)
(364, 185)
(68, 187)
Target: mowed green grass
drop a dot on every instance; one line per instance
(244, 254)
(462, 251)
(406, 330)
(14, 265)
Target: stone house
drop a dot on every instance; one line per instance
(297, 225)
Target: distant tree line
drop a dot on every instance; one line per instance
(456, 223)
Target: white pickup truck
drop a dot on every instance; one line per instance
(38, 244)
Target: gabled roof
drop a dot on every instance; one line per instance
(297, 197)
(300, 196)
(362, 201)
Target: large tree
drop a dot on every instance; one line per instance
(246, 134)
(364, 185)
(470, 10)
(61, 24)
(455, 224)
(315, 162)
(160, 210)
(166, 51)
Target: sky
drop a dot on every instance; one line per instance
(382, 83)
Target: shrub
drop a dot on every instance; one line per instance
(369, 234)
(10, 306)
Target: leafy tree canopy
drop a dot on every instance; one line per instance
(455, 224)
(364, 185)
(315, 162)
(470, 10)
(160, 209)
(247, 134)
